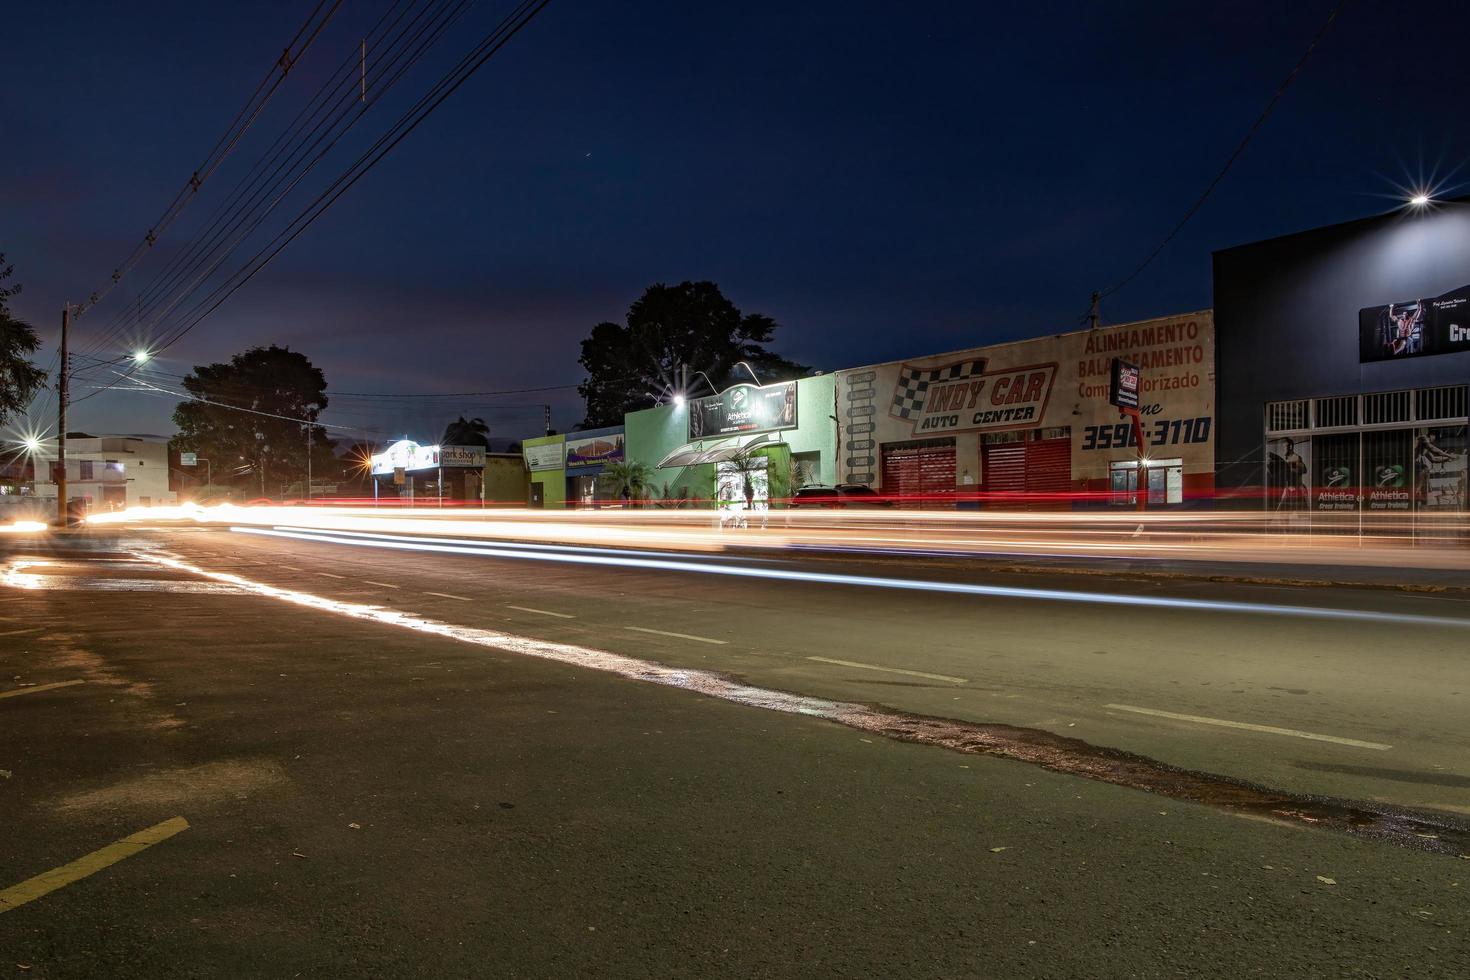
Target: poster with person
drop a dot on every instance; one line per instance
(1287, 465)
(1440, 468)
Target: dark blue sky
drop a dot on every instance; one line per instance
(884, 179)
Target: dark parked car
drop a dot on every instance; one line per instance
(842, 495)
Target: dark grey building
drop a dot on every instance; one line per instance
(1343, 356)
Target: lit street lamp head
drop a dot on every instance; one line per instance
(1419, 200)
(140, 357)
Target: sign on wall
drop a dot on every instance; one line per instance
(188, 459)
(743, 408)
(546, 456)
(594, 450)
(1415, 328)
(470, 456)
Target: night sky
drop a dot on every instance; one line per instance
(884, 179)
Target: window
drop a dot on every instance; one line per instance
(86, 469)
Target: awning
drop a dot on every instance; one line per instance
(713, 451)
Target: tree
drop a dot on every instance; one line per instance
(630, 365)
(628, 479)
(255, 415)
(19, 378)
(466, 432)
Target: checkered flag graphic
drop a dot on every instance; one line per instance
(913, 385)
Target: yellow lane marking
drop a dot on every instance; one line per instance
(891, 670)
(1247, 726)
(541, 612)
(39, 687)
(48, 881)
(682, 636)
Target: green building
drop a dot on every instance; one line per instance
(708, 452)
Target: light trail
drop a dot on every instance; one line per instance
(1247, 538)
(492, 550)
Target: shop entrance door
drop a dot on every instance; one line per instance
(919, 474)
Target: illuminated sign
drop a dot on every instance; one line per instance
(961, 395)
(468, 456)
(594, 450)
(743, 408)
(1124, 385)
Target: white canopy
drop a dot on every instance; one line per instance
(713, 451)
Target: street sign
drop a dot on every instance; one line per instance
(400, 476)
(188, 459)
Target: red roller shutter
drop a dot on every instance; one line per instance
(921, 475)
(1042, 467)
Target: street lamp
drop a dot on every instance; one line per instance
(1419, 200)
(141, 357)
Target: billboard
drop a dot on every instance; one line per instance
(546, 456)
(1288, 463)
(594, 450)
(743, 408)
(1048, 388)
(1415, 328)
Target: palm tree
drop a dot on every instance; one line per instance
(466, 432)
(628, 479)
(19, 378)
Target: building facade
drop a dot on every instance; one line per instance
(111, 472)
(1344, 360)
(1030, 421)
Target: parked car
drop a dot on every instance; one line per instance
(841, 495)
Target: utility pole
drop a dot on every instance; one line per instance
(308, 461)
(547, 409)
(61, 391)
(1094, 315)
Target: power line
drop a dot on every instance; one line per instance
(227, 142)
(1239, 149)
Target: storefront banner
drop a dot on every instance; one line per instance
(1415, 328)
(594, 451)
(1440, 468)
(468, 456)
(743, 408)
(547, 456)
(407, 455)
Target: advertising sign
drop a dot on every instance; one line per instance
(470, 456)
(1288, 462)
(547, 456)
(743, 408)
(1124, 384)
(1440, 468)
(188, 459)
(405, 454)
(1415, 328)
(594, 450)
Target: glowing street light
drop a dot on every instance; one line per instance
(141, 357)
(1419, 200)
(679, 400)
(32, 444)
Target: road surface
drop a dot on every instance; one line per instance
(381, 793)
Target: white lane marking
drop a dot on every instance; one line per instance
(17, 692)
(386, 585)
(289, 568)
(891, 670)
(21, 632)
(446, 595)
(542, 612)
(872, 581)
(330, 575)
(1247, 726)
(682, 636)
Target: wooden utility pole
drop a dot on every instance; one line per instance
(62, 393)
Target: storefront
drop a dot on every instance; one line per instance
(587, 454)
(546, 463)
(745, 448)
(1344, 359)
(411, 472)
(1029, 423)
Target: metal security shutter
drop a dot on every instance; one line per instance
(921, 474)
(1040, 467)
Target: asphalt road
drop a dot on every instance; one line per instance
(385, 796)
